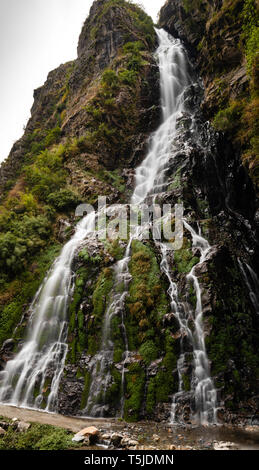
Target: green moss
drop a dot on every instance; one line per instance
(184, 259)
(186, 383)
(21, 294)
(151, 397)
(113, 393)
(228, 119)
(147, 302)
(115, 249)
(117, 339)
(148, 351)
(231, 326)
(86, 390)
(250, 16)
(101, 296)
(135, 381)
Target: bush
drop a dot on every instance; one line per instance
(64, 199)
(46, 174)
(27, 236)
(38, 437)
(228, 119)
(148, 351)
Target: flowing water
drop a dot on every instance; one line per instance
(41, 359)
(252, 283)
(42, 356)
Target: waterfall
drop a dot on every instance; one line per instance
(174, 79)
(101, 363)
(41, 360)
(149, 180)
(252, 283)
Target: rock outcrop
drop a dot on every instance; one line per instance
(222, 37)
(88, 131)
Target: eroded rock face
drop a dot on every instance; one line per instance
(205, 174)
(69, 89)
(212, 35)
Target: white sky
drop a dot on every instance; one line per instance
(36, 36)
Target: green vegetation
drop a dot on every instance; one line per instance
(250, 16)
(184, 259)
(231, 326)
(142, 22)
(15, 296)
(228, 119)
(38, 437)
(135, 381)
(101, 296)
(147, 301)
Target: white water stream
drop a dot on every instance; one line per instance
(24, 379)
(42, 356)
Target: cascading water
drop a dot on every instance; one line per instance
(40, 362)
(252, 283)
(42, 357)
(174, 79)
(205, 393)
(101, 363)
(149, 180)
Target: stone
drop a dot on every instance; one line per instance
(2, 432)
(224, 445)
(133, 442)
(116, 438)
(23, 426)
(8, 344)
(78, 438)
(4, 425)
(155, 438)
(90, 433)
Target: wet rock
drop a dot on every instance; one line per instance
(116, 439)
(224, 445)
(8, 344)
(4, 425)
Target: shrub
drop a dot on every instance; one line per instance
(64, 199)
(228, 119)
(148, 351)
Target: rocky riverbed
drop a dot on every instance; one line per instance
(115, 434)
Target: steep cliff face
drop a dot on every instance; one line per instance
(217, 38)
(223, 40)
(88, 128)
(88, 131)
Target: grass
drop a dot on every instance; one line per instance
(38, 437)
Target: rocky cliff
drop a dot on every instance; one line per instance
(88, 131)
(88, 128)
(222, 37)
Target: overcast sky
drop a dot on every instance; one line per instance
(36, 36)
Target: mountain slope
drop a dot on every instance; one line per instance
(88, 131)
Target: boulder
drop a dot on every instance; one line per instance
(90, 434)
(116, 439)
(23, 426)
